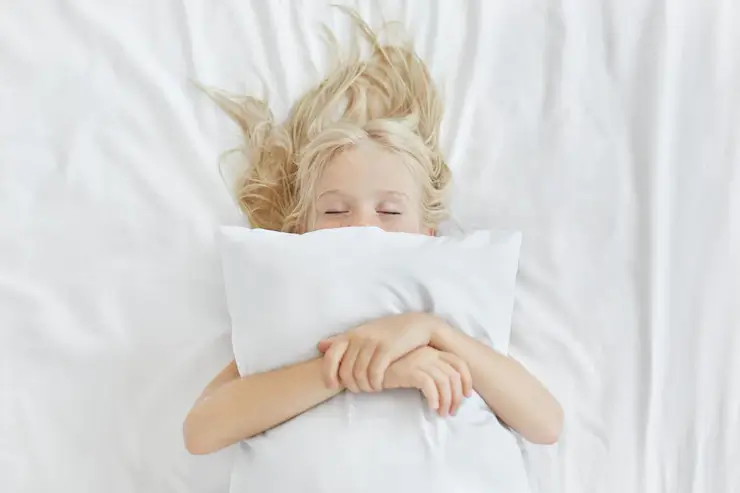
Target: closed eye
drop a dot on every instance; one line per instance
(391, 213)
(336, 212)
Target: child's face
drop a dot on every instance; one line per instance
(368, 186)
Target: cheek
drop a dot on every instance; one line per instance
(325, 222)
(407, 223)
(316, 221)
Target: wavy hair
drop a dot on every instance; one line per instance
(387, 98)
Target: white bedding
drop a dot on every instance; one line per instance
(606, 131)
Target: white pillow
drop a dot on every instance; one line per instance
(286, 292)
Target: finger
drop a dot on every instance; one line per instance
(462, 368)
(443, 387)
(332, 358)
(428, 387)
(346, 368)
(361, 366)
(379, 364)
(324, 345)
(455, 386)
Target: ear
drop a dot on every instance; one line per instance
(299, 228)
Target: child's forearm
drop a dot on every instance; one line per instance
(512, 393)
(244, 407)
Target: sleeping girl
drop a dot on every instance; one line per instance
(360, 149)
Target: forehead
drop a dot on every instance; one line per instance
(368, 167)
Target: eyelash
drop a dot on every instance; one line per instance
(390, 213)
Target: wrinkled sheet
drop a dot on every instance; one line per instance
(607, 132)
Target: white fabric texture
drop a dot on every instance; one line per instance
(287, 292)
(606, 131)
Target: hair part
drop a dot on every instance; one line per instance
(388, 99)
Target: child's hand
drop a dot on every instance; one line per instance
(443, 378)
(359, 358)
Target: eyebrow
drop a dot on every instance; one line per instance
(392, 193)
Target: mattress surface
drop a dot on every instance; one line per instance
(607, 132)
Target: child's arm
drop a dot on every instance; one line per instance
(233, 408)
(512, 393)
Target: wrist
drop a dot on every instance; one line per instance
(317, 366)
(440, 333)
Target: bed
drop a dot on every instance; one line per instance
(607, 132)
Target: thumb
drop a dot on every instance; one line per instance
(324, 344)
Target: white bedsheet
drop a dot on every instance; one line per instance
(606, 131)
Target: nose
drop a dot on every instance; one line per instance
(364, 218)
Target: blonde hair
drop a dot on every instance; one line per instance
(387, 98)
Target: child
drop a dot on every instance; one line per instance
(360, 149)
